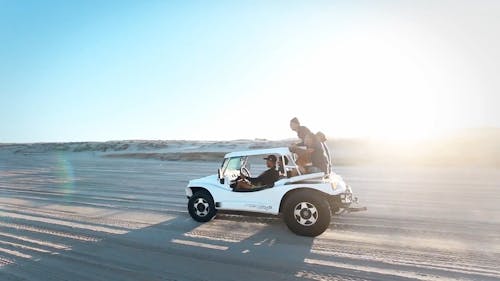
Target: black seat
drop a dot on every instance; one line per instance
(236, 189)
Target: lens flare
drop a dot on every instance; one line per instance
(65, 174)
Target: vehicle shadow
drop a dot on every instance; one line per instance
(162, 251)
(273, 248)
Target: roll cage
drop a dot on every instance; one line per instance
(233, 162)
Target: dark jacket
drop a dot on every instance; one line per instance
(268, 177)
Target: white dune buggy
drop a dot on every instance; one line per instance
(305, 201)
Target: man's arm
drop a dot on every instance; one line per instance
(257, 179)
(264, 179)
(300, 150)
(254, 180)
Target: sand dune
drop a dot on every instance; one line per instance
(185, 156)
(468, 148)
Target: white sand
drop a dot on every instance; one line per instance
(77, 216)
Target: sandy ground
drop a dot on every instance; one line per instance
(74, 216)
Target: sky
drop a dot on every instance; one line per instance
(224, 70)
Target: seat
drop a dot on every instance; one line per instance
(236, 189)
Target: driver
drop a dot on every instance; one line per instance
(267, 178)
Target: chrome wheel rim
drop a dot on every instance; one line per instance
(305, 213)
(201, 207)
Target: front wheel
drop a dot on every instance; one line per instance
(201, 206)
(307, 214)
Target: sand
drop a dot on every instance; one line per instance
(80, 216)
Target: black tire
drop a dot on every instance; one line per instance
(201, 206)
(306, 213)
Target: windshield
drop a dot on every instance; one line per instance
(231, 167)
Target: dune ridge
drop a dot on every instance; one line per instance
(466, 148)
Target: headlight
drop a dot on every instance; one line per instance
(346, 198)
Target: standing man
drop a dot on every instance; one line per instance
(302, 131)
(315, 152)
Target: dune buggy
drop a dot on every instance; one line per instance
(305, 201)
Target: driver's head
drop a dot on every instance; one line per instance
(270, 161)
(294, 124)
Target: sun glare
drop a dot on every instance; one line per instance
(371, 83)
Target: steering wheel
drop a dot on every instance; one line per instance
(245, 172)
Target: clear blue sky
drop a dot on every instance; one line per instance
(108, 70)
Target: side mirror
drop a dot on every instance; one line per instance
(219, 175)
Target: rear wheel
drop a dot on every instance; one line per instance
(201, 206)
(307, 214)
